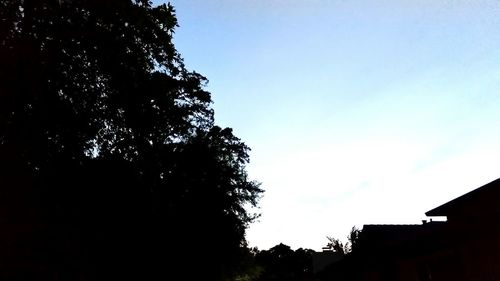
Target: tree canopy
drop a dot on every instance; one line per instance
(281, 263)
(110, 161)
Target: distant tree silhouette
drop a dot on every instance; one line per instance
(336, 245)
(111, 165)
(353, 239)
(281, 263)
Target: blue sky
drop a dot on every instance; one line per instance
(357, 112)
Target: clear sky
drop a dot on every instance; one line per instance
(357, 111)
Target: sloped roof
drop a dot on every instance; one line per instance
(396, 233)
(486, 193)
(389, 231)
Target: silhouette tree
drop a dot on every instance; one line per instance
(353, 239)
(281, 263)
(337, 246)
(111, 165)
(351, 245)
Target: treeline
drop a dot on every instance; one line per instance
(279, 263)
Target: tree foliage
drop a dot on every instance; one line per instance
(111, 164)
(281, 263)
(337, 246)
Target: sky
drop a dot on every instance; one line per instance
(357, 111)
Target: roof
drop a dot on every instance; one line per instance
(394, 233)
(389, 231)
(378, 240)
(487, 193)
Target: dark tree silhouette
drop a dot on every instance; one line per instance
(281, 263)
(111, 165)
(337, 246)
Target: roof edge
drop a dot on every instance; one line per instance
(442, 210)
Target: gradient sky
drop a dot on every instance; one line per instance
(357, 112)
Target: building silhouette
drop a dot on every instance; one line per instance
(464, 247)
